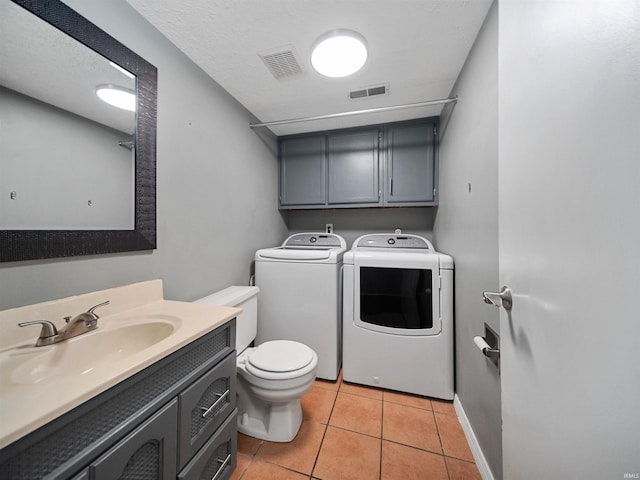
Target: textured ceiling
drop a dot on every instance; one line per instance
(417, 47)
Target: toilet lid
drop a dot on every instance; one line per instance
(281, 356)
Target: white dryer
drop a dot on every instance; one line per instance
(301, 296)
(398, 315)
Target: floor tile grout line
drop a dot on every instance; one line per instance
(315, 462)
(381, 434)
(326, 428)
(414, 447)
(446, 465)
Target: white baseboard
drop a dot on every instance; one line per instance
(481, 461)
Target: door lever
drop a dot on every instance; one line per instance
(502, 299)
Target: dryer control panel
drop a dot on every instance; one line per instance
(383, 240)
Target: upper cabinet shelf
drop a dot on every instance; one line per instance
(380, 166)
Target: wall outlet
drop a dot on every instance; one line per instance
(329, 227)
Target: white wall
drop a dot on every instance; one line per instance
(466, 227)
(216, 186)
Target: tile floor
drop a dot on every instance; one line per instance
(352, 432)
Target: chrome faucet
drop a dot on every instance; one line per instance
(82, 323)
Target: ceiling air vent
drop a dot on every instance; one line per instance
(282, 62)
(370, 91)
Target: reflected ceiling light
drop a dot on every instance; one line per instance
(117, 96)
(339, 53)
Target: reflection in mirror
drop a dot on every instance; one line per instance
(77, 174)
(84, 178)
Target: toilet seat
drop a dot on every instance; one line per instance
(280, 359)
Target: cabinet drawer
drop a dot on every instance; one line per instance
(205, 405)
(218, 458)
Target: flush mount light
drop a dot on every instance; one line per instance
(117, 96)
(339, 53)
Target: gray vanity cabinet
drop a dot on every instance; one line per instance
(389, 165)
(177, 417)
(303, 171)
(353, 167)
(410, 164)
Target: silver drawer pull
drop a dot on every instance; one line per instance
(215, 404)
(224, 464)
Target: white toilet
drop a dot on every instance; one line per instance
(272, 377)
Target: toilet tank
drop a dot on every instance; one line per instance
(245, 298)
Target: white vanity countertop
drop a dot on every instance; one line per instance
(30, 399)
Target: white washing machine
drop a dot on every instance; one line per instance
(398, 315)
(301, 296)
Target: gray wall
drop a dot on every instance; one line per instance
(352, 223)
(216, 180)
(73, 161)
(466, 227)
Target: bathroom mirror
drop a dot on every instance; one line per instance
(68, 200)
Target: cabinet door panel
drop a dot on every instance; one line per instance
(353, 167)
(410, 164)
(303, 171)
(148, 453)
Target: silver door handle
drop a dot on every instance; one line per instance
(502, 299)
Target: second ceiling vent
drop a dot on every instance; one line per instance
(370, 91)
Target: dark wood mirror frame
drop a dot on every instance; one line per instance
(17, 245)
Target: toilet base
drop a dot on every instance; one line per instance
(275, 422)
(280, 423)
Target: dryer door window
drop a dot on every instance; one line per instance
(397, 300)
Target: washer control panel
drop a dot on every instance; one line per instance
(315, 240)
(383, 240)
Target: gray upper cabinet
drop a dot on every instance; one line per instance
(384, 165)
(303, 170)
(410, 164)
(353, 167)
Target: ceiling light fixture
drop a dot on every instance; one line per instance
(339, 53)
(117, 96)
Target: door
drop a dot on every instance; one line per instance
(410, 163)
(397, 300)
(303, 171)
(569, 220)
(353, 167)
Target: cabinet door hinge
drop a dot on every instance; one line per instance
(434, 192)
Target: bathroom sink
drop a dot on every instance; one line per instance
(139, 329)
(83, 354)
